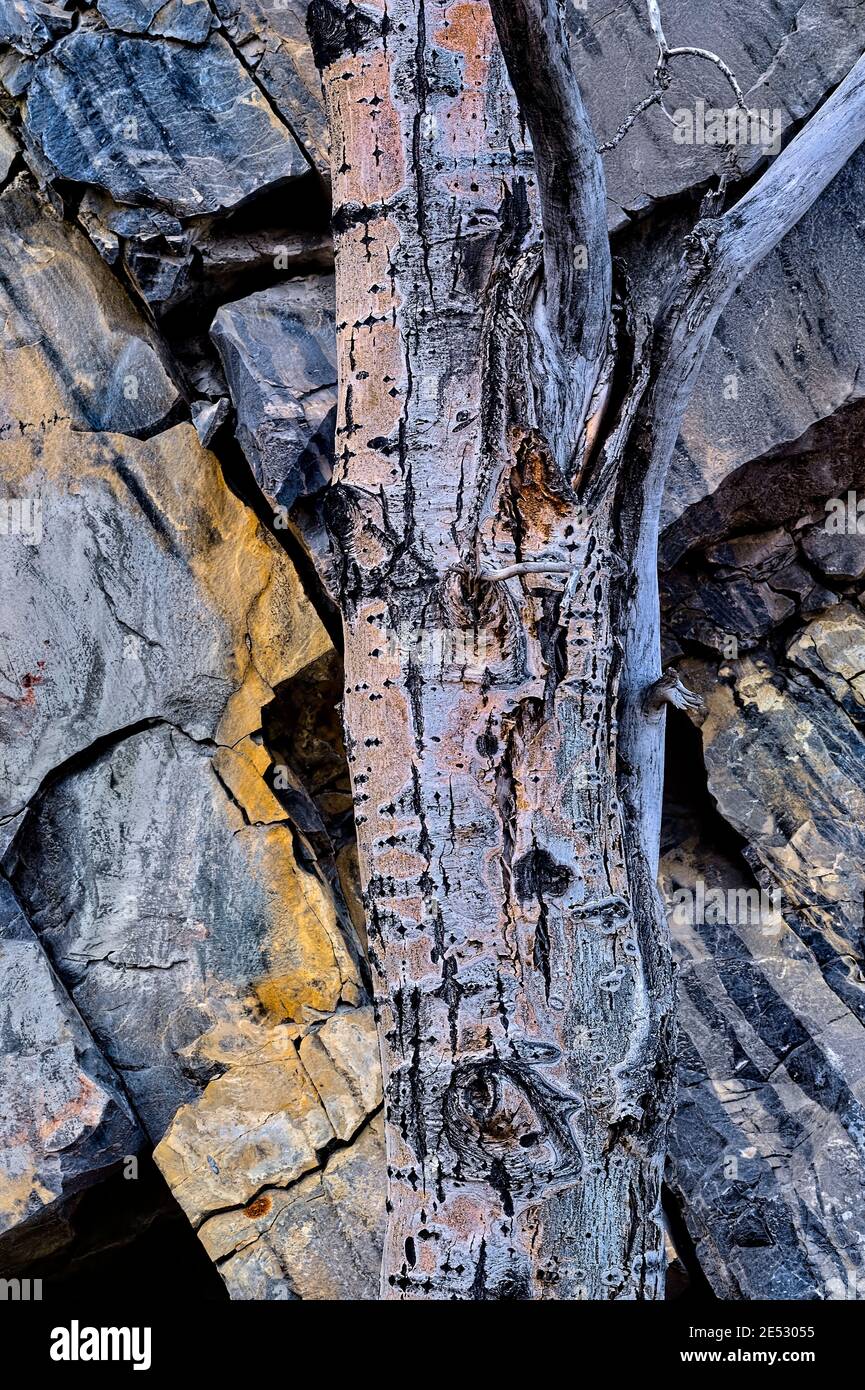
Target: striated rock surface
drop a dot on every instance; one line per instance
(183, 129)
(76, 352)
(767, 1147)
(271, 35)
(278, 349)
(768, 1158)
(65, 1122)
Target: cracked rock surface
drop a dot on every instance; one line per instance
(181, 924)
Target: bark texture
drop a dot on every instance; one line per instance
(180, 970)
(524, 999)
(504, 426)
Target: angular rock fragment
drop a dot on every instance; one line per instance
(837, 556)
(786, 767)
(278, 349)
(65, 1121)
(29, 26)
(791, 482)
(76, 352)
(8, 152)
(767, 1144)
(324, 1235)
(193, 918)
(167, 588)
(179, 128)
(273, 38)
(736, 607)
(832, 649)
(342, 1060)
(186, 20)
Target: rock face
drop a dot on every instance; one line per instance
(168, 584)
(326, 1232)
(278, 350)
(181, 970)
(766, 899)
(75, 350)
(272, 37)
(767, 1148)
(181, 129)
(181, 926)
(785, 58)
(65, 1121)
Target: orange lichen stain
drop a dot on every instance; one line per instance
(260, 1207)
(469, 30)
(368, 131)
(28, 684)
(82, 1111)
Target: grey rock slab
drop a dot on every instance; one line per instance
(786, 56)
(182, 128)
(194, 940)
(837, 555)
(186, 20)
(278, 350)
(832, 649)
(786, 768)
(787, 351)
(766, 1149)
(29, 26)
(171, 602)
(75, 348)
(786, 484)
(272, 36)
(65, 1121)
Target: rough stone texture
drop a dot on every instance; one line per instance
(789, 483)
(832, 649)
(31, 25)
(64, 1119)
(193, 918)
(790, 346)
(278, 349)
(75, 350)
(767, 1148)
(193, 903)
(786, 56)
(320, 1240)
(189, 20)
(786, 768)
(182, 128)
(198, 930)
(166, 583)
(272, 36)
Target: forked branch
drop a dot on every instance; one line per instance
(721, 251)
(570, 175)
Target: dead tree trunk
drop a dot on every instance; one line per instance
(506, 418)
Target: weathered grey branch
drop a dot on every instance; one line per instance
(721, 251)
(669, 690)
(662, 76)
(719, 254)
(527, 567)
(570, 173)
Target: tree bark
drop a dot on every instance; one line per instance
(505, 421)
